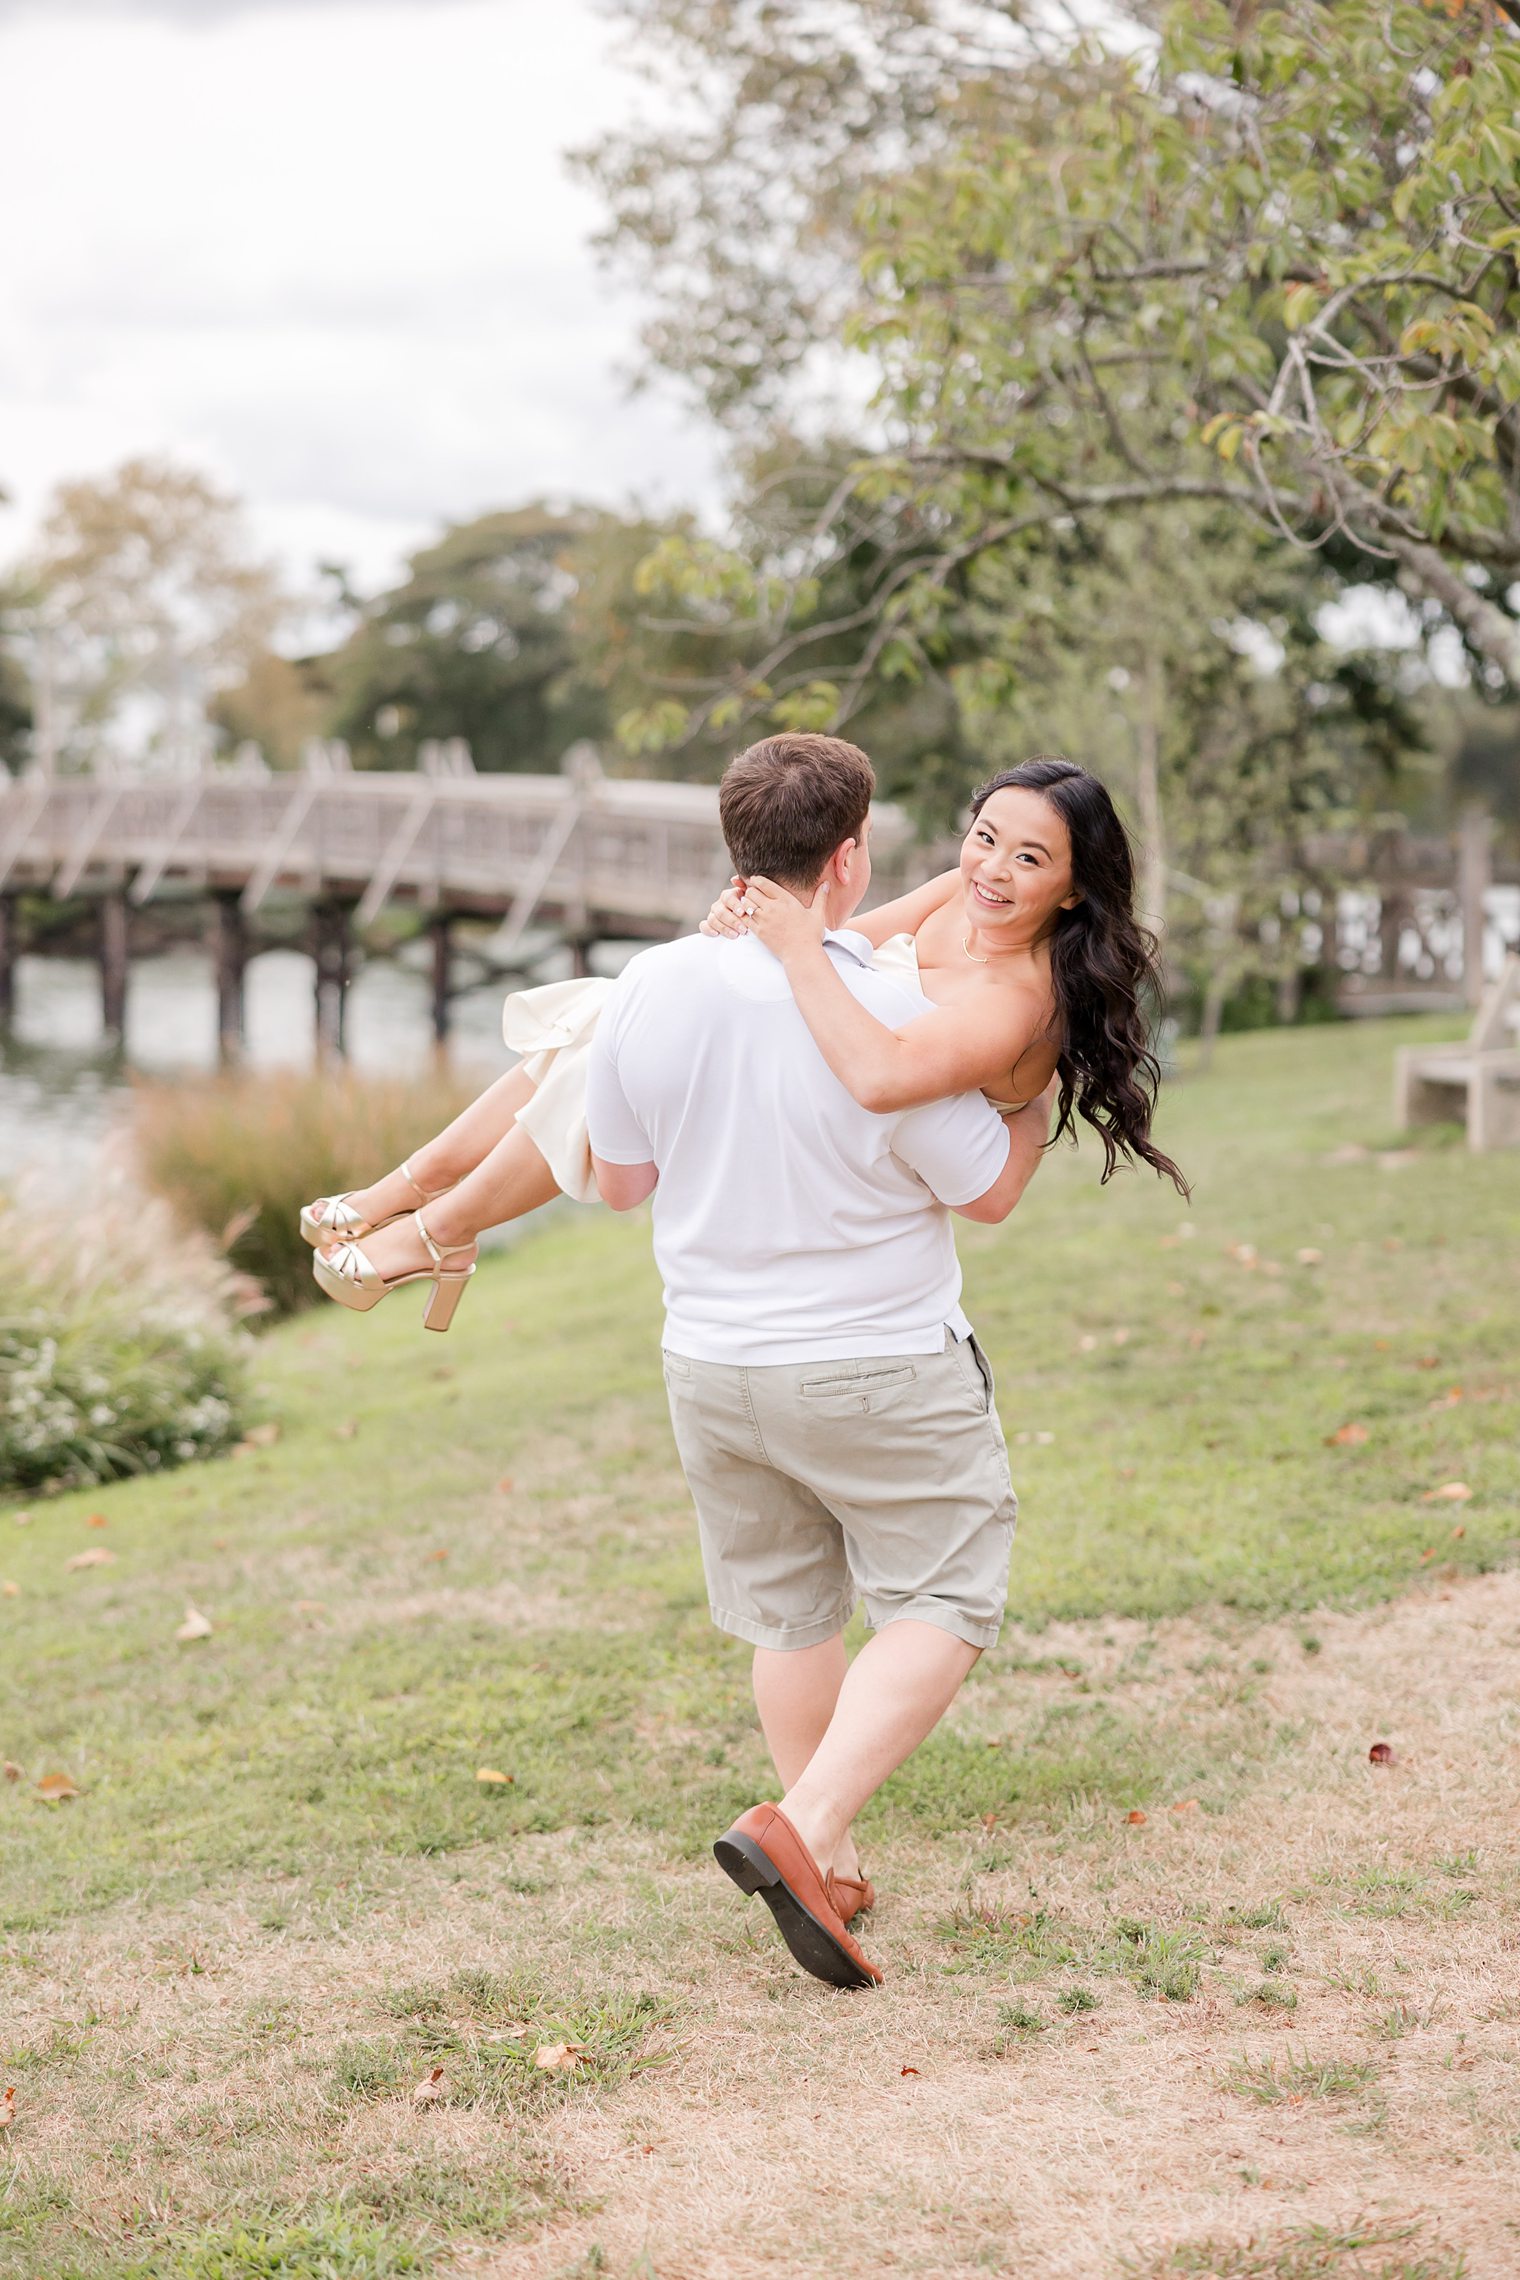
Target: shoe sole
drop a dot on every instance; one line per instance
(812, 1943)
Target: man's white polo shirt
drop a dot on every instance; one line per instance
(790, 1224)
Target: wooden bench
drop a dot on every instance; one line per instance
(1483, 1069)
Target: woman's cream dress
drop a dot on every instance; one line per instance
(552, 1029)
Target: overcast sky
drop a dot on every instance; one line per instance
(327, 249)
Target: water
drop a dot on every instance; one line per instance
(61, 1091)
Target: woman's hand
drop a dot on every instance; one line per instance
(726, 918)
(787, 927)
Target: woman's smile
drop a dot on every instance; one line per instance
(986, 895)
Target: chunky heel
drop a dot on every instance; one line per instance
(443, 1300)
(743, 1860)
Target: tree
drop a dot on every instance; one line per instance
(144, 602)
(1181, 660)
(482, 639)
(1264, 259)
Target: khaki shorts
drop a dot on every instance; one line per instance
(819, 1482)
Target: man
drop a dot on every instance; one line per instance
(832, 1411)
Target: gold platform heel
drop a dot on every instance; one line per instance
(332, 1218)
(348, 1276)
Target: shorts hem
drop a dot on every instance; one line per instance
(963, 1627)
(784, 1636)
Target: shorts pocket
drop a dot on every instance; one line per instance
(858, 1391)
(678, 1370)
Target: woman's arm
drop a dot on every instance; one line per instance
(904, 916)
(952, 1049)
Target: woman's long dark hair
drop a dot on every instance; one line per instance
(1103, 966)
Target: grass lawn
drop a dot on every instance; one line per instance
(1258, 2032)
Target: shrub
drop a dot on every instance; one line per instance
(118, 1346)
(237, 1156)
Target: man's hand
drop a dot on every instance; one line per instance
(787, 927)
(1028, 1129)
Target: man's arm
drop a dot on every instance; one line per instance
(622, 1187)
(1028, 1130)
(621, 1155)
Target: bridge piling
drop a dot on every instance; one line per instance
(332, 953)
(9, 950)
(115, 957)
(229, 946)
(441, 936)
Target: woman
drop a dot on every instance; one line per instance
(1029, 954)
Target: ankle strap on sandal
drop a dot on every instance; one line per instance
(433, 1251)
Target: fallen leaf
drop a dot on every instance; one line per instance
(429, 2088)
(1459, 1530)
(1429, 1552)
(1136, 1818)
(311, 1606)
(97, 1520)
(1244, 1254)
(22, 1519)
(557, 2058)
(12, 1770)
(1087, 1343)
(8, 2108)
(96, 1556)
(1428, 1362)
(1186, 1805)
(1449, 1492)
(10, 1590)
(909, 2070)
(441, 1554)
(195, 1626)
(505, 1485)
(55, 1786)
(489, 1775)
(1446, 1400)
(263, 1436)
(989, 1820)
(1309, 1257)
(345, 1431)
(1346, 1437)
(1381, 1753)
(1121, 1337)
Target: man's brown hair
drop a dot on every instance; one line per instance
(789, 801)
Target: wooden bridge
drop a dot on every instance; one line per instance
(590, 856)
(1400, 922)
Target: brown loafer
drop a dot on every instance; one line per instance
(851, 1895)
(763, 1853)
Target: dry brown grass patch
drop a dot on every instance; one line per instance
(188, 2059)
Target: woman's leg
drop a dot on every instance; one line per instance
(512, 1179)
(455, 1151)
